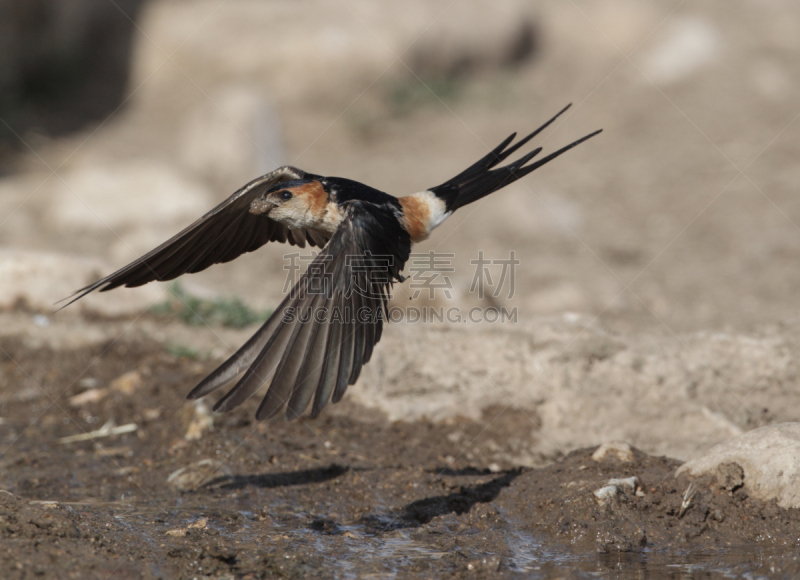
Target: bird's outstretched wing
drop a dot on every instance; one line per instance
(224, 233)
(317, 340)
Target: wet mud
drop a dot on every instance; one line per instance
(348, 495)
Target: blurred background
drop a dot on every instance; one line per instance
(121, 121)
(657, 291)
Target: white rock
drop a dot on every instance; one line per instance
(200, 419)
(614, 449)
(606, 494)
(40, 280)
(687, 45)
(616, 487)
(114, 198)
(769, 457)
(585, 385)
(626, 483)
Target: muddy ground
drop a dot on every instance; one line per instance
(347, 495)
(657, 294)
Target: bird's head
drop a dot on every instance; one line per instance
(299, 203)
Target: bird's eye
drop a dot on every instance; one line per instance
(286, 195)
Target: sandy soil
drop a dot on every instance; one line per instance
(347, 495)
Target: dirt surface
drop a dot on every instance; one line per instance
(657, 297)
(348, 495)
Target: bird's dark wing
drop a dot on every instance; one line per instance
(317, 340)
(224, 233)
(480, 179)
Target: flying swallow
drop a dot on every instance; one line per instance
(317, 340)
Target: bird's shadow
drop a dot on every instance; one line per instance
(412, 515)
(422, 511)
(283, 479)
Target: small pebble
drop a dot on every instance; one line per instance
(614, 450)
(199, 524)
(128, 383)
(200, 420)
(614, 487)
(90, 396)
(628, 483)
(46, 504)
(605, 494)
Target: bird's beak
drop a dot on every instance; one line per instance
(260, 206)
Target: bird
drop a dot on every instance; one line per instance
(317, 340)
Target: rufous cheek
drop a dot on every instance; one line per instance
(314, 198)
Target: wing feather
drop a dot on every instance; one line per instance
(310, 374)
(330, 371)
(287, 375)
(315, 344)
(224, 233)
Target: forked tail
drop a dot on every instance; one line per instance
(480, 179)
